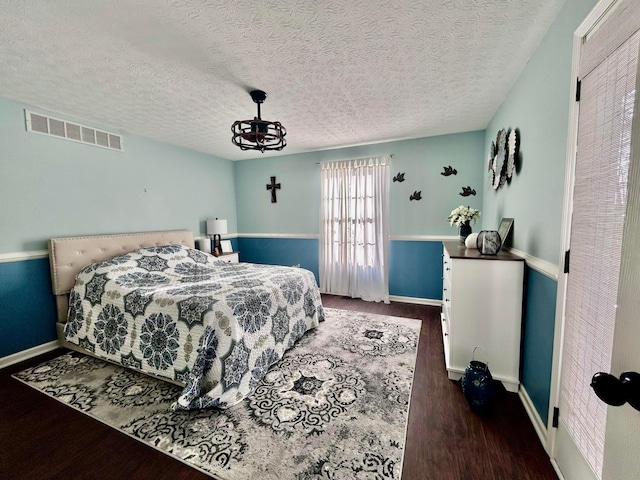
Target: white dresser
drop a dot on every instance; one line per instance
(482, 306)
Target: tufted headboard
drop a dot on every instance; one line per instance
(67, 256)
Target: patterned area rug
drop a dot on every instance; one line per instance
(335, 407)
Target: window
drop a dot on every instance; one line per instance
(354, 232)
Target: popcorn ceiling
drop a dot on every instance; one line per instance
(336, 72)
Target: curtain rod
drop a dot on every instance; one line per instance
(318, 163)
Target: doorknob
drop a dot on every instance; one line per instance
(617, 391)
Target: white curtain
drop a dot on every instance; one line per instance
(354, 228)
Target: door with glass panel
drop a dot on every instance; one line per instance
(603, 263)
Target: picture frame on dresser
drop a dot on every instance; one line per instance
(226, 246)
(504, 230)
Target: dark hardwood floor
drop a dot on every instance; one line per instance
(41, 438)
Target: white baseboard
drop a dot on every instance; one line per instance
(29, 353)
(539, 426)
(556, 467)
(415, 300)
(397, 298)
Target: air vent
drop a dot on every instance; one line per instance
(71, 131)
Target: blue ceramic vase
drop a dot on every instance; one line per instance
(477, 385)
(464, 231)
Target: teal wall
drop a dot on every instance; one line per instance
(27, 306)
(415, 267)
(281, 251)
(538, 105)
(537, 338)
(53, 187)
(422, 160)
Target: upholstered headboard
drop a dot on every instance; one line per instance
(67, 256)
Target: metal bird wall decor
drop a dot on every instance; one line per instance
(416, 195)
(449, 171)
(399, 177)
(466, 191)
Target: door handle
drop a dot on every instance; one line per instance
(617, 391)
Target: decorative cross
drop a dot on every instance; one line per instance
(273, 186)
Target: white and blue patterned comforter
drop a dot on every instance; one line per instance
(181, 314)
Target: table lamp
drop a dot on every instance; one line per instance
(215, 228)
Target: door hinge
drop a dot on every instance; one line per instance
(567, 256)
(578, 85)
(556, 416)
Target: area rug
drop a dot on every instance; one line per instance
(335, 407)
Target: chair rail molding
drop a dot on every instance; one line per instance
(20, 256)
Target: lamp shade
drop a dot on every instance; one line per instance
(216, 227)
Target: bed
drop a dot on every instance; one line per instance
(152, 302)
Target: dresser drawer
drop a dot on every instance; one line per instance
(446, 292)
(446, 268)
(444, 320)
(445, 337)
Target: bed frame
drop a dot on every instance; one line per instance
(67, 256)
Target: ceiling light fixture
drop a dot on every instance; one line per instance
(258, 134)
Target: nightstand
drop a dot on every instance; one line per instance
(231, 257)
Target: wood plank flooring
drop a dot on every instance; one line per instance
(41, 438)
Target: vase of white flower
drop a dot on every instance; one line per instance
(461, 217)
(464, 231)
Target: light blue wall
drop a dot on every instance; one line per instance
(53, 187)
(422, 160)
(538, 105)
(415, 267)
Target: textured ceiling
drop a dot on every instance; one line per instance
(336, 72)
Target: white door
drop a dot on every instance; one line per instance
(622, 439)
(600, 292)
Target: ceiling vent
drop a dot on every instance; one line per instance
(72, 131)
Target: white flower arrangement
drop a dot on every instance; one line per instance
(462, 214)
